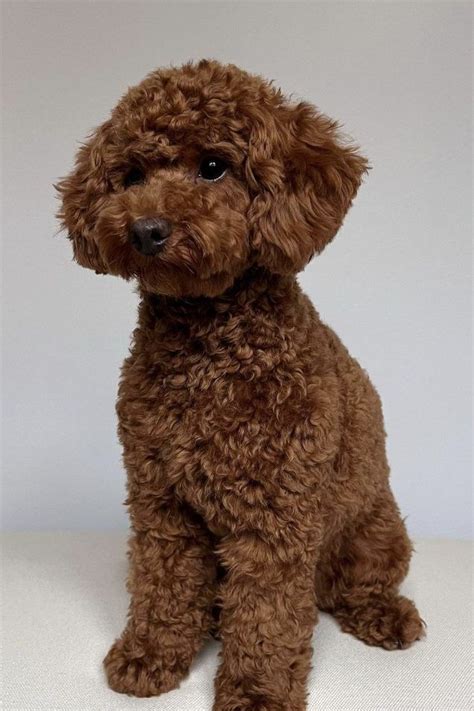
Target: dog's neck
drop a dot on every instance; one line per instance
(256, 291)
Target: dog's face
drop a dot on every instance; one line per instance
(202, 172)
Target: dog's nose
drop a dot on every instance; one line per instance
(149, 234)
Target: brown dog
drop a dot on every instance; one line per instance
(254, 443)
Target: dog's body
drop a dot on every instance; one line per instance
(253, 442)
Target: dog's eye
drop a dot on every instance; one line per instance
(135, 176)
(212, 168)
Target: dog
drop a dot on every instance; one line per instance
(254, 444)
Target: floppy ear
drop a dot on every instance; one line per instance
(83, 193)
(308, 178)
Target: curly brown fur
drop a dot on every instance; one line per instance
(253, 442)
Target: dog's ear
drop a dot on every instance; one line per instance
(82, 194)
(305, 178)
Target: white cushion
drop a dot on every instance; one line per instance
(64, 602)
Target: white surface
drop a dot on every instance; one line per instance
(395, 283)
(64, 602)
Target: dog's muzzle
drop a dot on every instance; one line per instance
(148, 235)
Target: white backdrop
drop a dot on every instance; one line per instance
(395, 284)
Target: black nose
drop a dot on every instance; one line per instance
(149, 234)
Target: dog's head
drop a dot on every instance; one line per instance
(201, 172)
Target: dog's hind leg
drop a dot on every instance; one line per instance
(358, 577)
(172, 586)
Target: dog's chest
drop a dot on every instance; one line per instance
(226, 422)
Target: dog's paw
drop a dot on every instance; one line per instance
(388, 621)
(256, 704)
(131, 671)
(238, 698)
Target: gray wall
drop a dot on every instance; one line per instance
(395, 284)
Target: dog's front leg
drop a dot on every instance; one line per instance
(171, 581)
(267, 619)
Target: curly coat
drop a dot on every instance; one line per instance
(254, 444)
